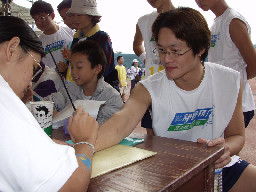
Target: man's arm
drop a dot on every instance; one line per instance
(235, 132)
(122, 123)
(239, 35)
(234, 136)
(138, 47)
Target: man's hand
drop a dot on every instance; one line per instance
(225, 158)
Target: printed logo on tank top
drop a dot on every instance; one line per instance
(186, 121)
(152, 38)
(214, 39)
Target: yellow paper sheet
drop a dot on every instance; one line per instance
(117, 157)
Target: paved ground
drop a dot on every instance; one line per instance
(248, 153)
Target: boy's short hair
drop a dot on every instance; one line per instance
(41, 7)
(188, 25)
(64, 4)
(94, 53)
(118, 57)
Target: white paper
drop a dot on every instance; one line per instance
(91, 106)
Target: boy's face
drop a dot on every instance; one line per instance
(43, 21)
(206, 4)
(177, 67)
(121, 60)
(81, 70)
(68, 19)
(82, 21)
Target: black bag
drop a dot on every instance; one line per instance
(112, 79)
(137, 78)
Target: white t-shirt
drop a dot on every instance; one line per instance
(153, 63)
(30, 160)
(188, 115)
(224, 52)
(133, 72)
(57, 42)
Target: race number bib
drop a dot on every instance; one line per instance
(153, 65)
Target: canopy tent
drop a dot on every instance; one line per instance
(19, 11)
(23, 13)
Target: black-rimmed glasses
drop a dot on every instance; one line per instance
(160, 52)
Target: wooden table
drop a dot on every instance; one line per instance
(177, 166)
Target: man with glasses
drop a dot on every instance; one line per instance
(191, 99)
(54, 37)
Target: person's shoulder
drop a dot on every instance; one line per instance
(148, 15)
(66, 30)
(231, 14)
(217, 68)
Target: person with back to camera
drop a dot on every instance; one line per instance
(86, 18)
(87, 67)
(232, 47)
(191, 99)
(30, 160)
(144, 43)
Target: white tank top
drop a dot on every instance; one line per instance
(224, 52)
(153, 63)
(188, 115)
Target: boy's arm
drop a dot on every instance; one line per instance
(239, 35)
(138, 47)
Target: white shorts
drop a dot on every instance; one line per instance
(123, 90)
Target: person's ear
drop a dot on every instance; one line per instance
(201, 52)
(98, 68)
(52, 15)
(12, 47)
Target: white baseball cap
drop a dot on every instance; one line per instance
(135, 60)
(88, 7)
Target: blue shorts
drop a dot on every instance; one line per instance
(230, 175)
(247, 117)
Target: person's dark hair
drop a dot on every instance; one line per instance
(11, 26)
(64, 4)
(188, 25)
(118, 57)
(41, 7)
(95, 20)
(94, 53)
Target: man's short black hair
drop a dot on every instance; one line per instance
(41, 7)
(64, 4)
(119, 57)
(188, 25)
(94, 53)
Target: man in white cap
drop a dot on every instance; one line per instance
(85, 17)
